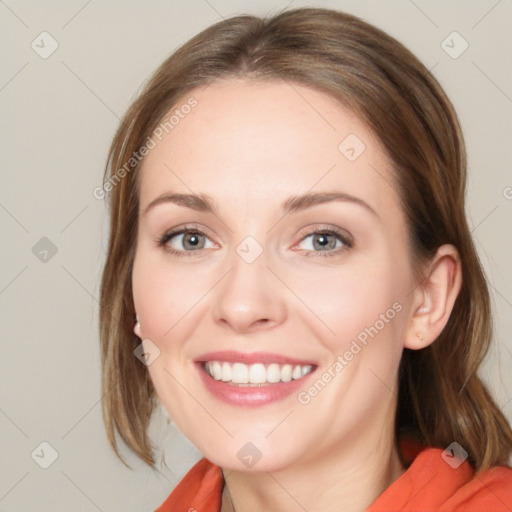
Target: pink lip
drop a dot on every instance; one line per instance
(251, 396)
(231, 356)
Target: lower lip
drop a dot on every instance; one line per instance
(251, 396)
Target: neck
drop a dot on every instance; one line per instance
(347, 479)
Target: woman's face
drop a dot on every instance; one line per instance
(253, 283)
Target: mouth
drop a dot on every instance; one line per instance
(252, 379)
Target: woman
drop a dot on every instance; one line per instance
(291, 273)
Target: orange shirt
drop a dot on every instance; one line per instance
(428, 485)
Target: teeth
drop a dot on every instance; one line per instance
(226, 372)
(297, 372)
(255, 374)
(273, 373)
(217, 370)
(286, 373)
(239, 373)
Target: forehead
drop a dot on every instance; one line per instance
(253, 143)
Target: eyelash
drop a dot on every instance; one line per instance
(347, 242)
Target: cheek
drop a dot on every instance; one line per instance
(163, 294)
(351, 302)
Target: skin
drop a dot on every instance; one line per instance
(250, 146)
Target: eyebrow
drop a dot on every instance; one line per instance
(204, 203)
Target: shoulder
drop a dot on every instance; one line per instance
(489, 490)
(435, 482)
(199, 490)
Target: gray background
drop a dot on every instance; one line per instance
(58, 117)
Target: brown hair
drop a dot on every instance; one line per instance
(441, 398)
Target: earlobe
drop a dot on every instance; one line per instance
(434, 298)
(136, 328)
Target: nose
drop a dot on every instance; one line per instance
(249, 298)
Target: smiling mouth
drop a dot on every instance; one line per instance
(255, 375)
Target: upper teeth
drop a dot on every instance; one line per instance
(258, 373)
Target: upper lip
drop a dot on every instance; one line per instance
(232, 356)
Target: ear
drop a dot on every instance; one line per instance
(136, 328)
(433, 298)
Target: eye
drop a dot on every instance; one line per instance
(185, 240)
(319, 242)
(327, 241)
